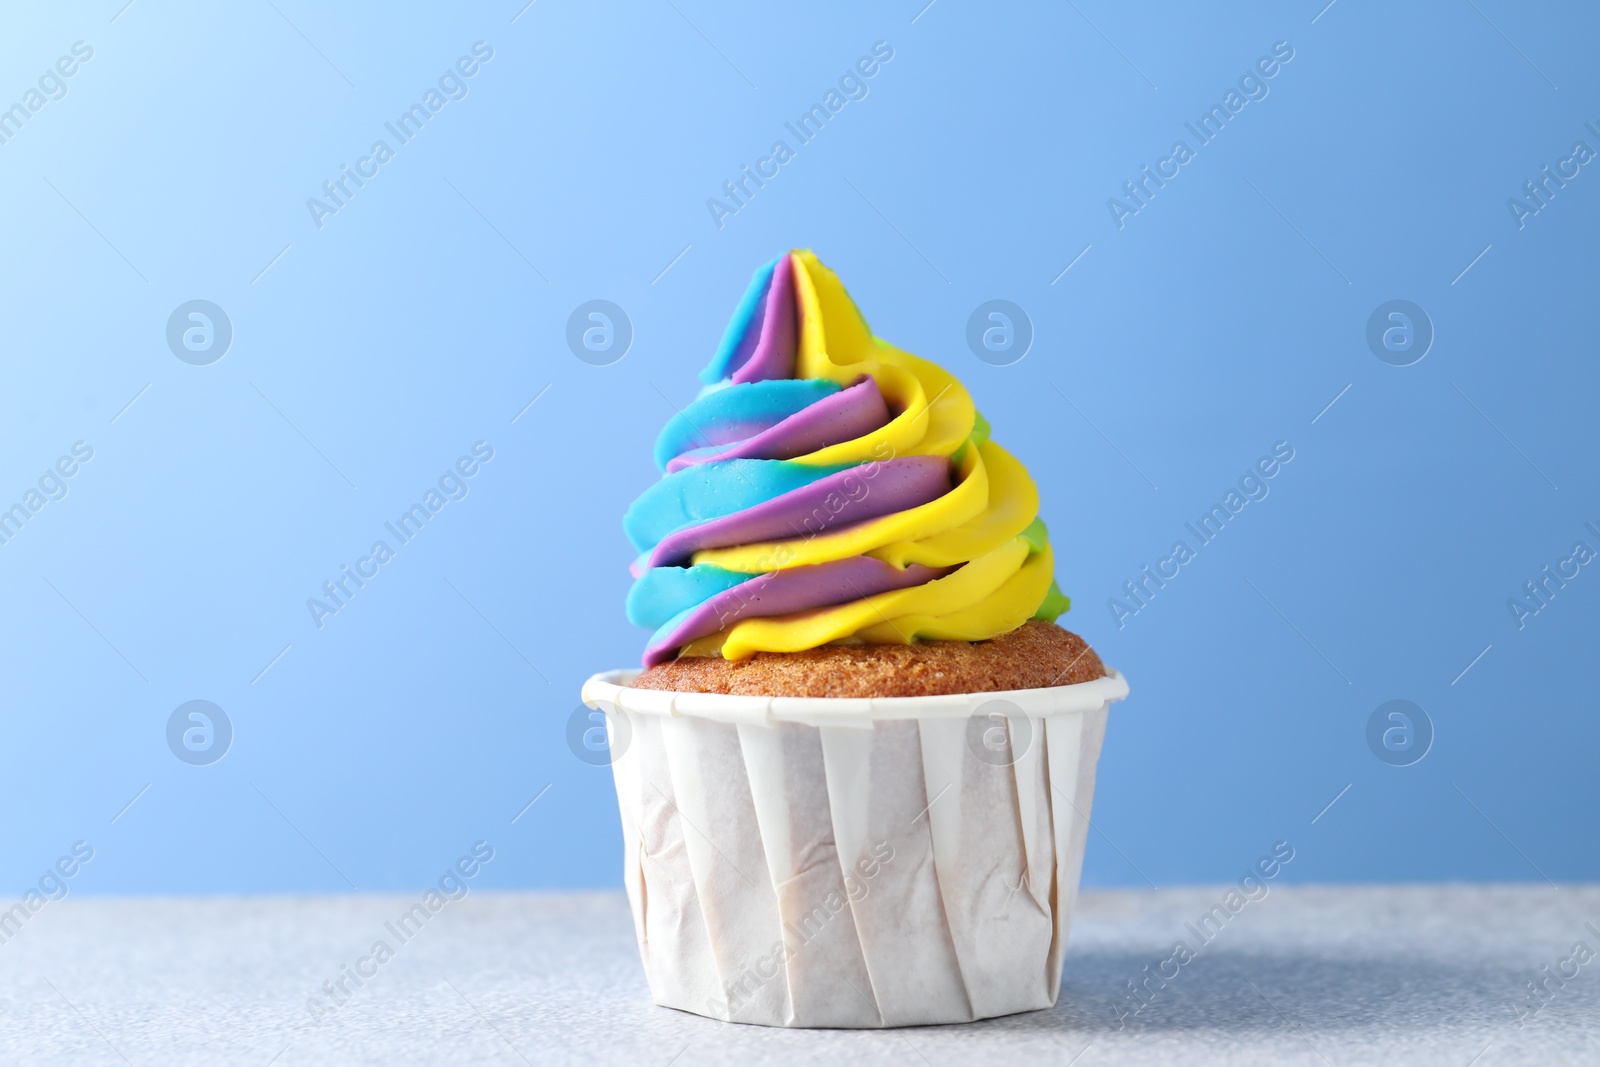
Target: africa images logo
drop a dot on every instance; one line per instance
(1252, 88)
(199, 733)
(852, 85)
(453, 484)
(199, 332)
(51, 86)
(452, 85)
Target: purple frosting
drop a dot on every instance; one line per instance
(892, 486)
(786, 592)
(844, 416)
(768, 346)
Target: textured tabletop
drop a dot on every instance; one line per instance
(1304, 976)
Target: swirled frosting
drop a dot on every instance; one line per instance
(826, 486)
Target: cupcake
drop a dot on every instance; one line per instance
(855, 769)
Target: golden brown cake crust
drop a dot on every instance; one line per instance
(1036, 656)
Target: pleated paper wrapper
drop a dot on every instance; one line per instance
(825, 862)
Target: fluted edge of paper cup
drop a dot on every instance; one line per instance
(612, 690)
(853, 863)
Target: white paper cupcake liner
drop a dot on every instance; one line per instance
(854, 863)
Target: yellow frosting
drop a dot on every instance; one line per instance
(986, 526)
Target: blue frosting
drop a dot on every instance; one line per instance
(739, 324)
(663, 594)
(665, 629)
(763, 404)
(712, 490)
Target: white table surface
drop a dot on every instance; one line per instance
(1319, 976)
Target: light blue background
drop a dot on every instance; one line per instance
(429, 312)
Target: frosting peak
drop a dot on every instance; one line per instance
(826, 486)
